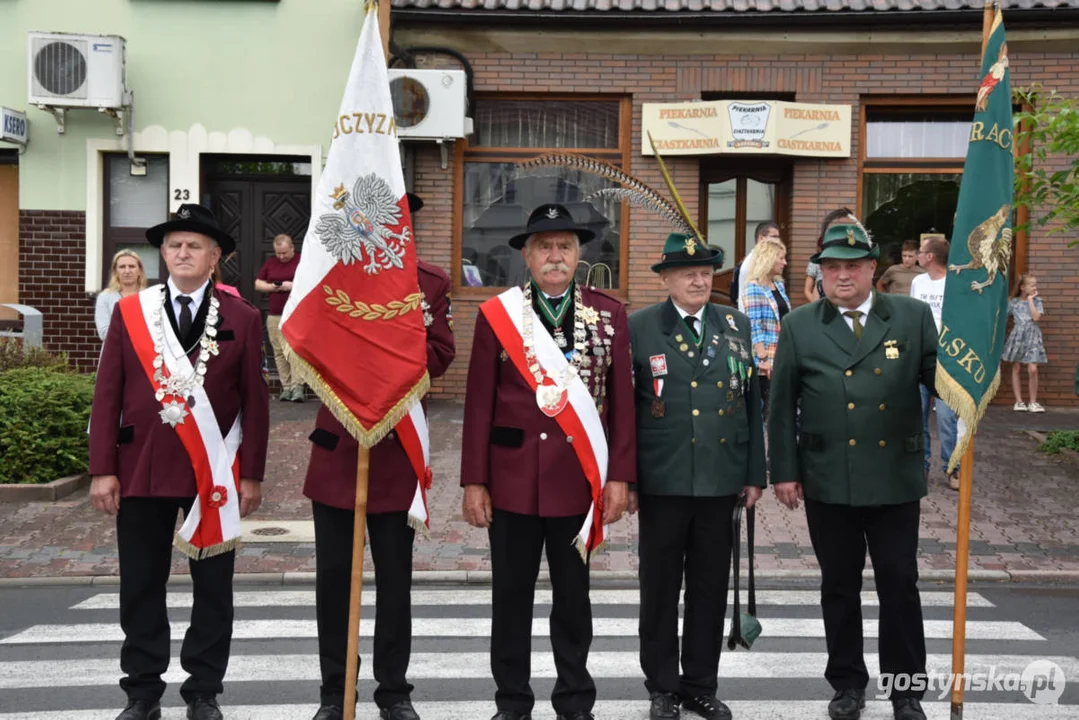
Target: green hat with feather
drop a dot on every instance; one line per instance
(684, 250)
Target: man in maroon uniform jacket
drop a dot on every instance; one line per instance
(143, 473)
(331, 485)
(522, 474)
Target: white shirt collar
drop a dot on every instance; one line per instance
(196, 297)
(864, 308)
(683, 314)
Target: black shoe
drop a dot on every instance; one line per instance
(399, 711)
(511, 715)
(708, 707)
(204, 707)
(329, 712)
(908, 708)
(664, 707)
(141, 710)
(577, 715)
(847, 704)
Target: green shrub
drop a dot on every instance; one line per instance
(44, 413)
(1060, 440)
(12, 356)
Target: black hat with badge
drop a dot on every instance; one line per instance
(193, 218)
(550, 218)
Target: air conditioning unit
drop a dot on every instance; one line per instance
(76, 71)
(430, 104)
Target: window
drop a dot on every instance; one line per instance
(911, 165)
(134, 203)
(496, 199)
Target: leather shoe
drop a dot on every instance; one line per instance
(399, 711)
(204, 707)
(329, 712)
(847, 704)
(908, 708)
(511, 715)
(708, 707)
(141, 710)
(664, 707)
(578, 715)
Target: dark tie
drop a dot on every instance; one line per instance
(185, 316)
(555, 302)
(855, 316)
(692, 322)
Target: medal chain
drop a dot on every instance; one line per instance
(179, 385)
(579, 337)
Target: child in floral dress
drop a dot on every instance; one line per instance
(1024, 345)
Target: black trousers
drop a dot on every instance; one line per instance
(690, 535)
(517, 542)
(144, 534)
(840, 535)
(391, 549)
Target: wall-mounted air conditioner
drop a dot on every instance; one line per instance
(76, 71)
(430, 104)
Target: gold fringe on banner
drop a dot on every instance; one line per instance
(956, 397)
(366, 438)
(419, 526)
(196, 553)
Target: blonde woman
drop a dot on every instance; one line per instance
(128, 278)
(765, 299)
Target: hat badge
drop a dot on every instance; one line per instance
(184, 214)
(552, 213)
(850, 237)
(691, 247)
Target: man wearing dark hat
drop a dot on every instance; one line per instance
(852, 364)
(179, 422)
(547, 453)
(395, 509)
(700, 445)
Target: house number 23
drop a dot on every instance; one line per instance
(182, 194)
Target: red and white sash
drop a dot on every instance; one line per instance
(212, 526)
(579, 419)
(413, 434)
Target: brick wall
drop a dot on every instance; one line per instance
(818, 185)
(52, 251)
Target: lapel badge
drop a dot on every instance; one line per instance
(690, 353)
(589, 315)
(730, 321)
(710, 351)
(659, 365)
(683, 347)
(678, 338)
(658, 409)
(890, 350)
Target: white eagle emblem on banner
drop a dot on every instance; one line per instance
(364, 226)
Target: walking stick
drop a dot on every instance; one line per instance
(359, 528)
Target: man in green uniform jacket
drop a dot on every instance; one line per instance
(700, 444)
(850, 364)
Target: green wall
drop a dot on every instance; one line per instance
(276, 69)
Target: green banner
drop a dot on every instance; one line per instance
(975, 308)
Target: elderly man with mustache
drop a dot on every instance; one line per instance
(547, 455)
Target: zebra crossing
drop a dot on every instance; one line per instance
(67, 667)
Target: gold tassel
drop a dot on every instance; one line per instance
(366, 438)
(419, 526)
(197, 553)
(956, 397)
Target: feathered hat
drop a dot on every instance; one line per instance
(691, 247)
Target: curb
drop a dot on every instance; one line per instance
(483, 577)
(45, 492)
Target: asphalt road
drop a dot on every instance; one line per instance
(59, 654)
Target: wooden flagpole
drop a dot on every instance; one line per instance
(962, 541)
(359, 527)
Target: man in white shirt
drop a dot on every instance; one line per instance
(929, 288)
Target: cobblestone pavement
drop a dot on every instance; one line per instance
(1023, 519)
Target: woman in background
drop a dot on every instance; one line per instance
(128, 278)
(766, 303)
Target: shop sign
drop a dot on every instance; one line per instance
(766, 127)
